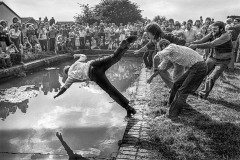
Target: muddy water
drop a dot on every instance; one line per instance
(90, 121)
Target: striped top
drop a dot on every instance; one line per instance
(181, 55)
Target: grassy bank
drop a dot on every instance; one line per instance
(206, 129)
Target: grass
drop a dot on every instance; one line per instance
(206, 129)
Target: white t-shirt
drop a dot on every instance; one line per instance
(14, 34)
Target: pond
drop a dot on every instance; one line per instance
(90, 121)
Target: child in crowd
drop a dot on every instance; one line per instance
(14, 54)
(203, 52)
(26, 47)
(77, 40)
(61, 43)
(5, 60)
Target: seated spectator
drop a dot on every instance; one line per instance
(13, 52)
(61, 43)
(27, 47)
(5, 60)
(4, 39)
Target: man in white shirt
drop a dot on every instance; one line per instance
(95, 71)
(189, 34)
(189, 81)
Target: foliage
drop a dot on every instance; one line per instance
(159, 18)
(114, 11)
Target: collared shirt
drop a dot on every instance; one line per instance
(78, 72)
(181, 55)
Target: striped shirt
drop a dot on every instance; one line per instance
(181, 55)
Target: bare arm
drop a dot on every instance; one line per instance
(62, 90)
(64, 144)
(149, 80)
(143, 49)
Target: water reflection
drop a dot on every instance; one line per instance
(92, 126)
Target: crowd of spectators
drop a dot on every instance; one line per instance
(19, 39)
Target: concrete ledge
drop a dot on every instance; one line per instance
(13, 71)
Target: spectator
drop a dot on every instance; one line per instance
(43, 37)
(77, 39)
(189, 35)
(72, 39)
(52, 34)
(15, 35)
(82, 34)
(237, 49)
(52, 21)
(207, 24)
(4, 39)
(178, 31)
(4, 24)
(228, 23)
(89, 37)
(197, 26)
(201, 20)
(235, 31)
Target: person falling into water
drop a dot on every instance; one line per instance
(94, 70)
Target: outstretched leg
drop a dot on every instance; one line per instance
(106, 62)
(98, 76)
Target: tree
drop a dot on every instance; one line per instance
(87, 15)
(113, 11)
(118, 11)
(159, 18)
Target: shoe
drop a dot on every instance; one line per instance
(131, 111)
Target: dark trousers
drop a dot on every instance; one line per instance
(43, 44)
(16, 42)
(215, 70)
(97, 74)
(148, 59)
(187, 83)
(82, 43)
(52, 44)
